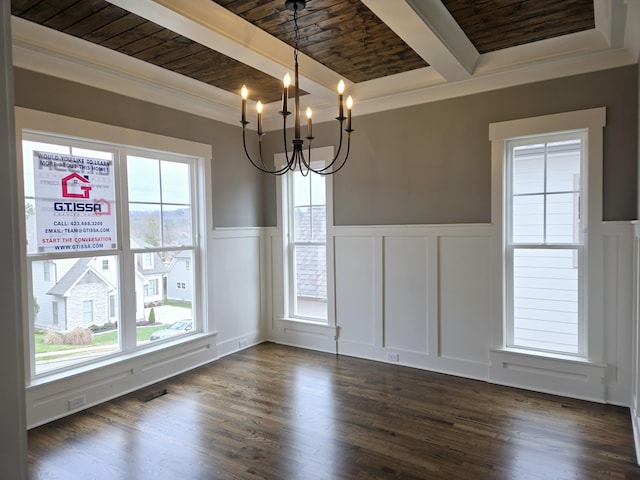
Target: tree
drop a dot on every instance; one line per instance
(36, 307)
(152, 316)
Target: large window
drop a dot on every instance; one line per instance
(544, 242)
(547, 214)
(104, 225)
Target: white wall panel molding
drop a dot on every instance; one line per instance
(413, 230)
(405, 293)
(390, 304)
(464, 302)
(617, 296)
(460, 284)
(235, 295)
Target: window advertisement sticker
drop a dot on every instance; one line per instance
(74, 203)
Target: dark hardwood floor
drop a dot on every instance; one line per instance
(275, 412)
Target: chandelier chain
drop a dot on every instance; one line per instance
(296, 36)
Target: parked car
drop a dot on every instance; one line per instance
(178, 328)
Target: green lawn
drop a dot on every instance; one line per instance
(176, 303)
(99, 339)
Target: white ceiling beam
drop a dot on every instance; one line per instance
(574, 45)
(610, 18)
(213, 26)
(430, 30)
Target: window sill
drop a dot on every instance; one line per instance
(533, 354)
(307, 321)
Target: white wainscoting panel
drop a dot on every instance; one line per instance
(390, 304)
(355, 290)
(617, 309)
(464, 265)
(428, 296)
(405, 293)
(235, 287)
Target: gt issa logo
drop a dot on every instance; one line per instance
(76, 186)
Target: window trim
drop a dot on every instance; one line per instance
(81, 130)
(593, 121)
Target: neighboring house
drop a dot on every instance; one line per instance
(311, 261)
(81, 297)
(44, 276)
(152, 272)
(180, 277)
(82, 292)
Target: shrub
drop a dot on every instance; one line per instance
(52, 338)
(152, 316)
(105, 327)
(78, 336)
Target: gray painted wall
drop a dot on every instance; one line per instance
(431, 163)
(425, 164)
(237, 187)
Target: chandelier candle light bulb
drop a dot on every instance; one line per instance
(309, 132)
(285, 93)
(340, 92)
(244, 93)
(259, 110)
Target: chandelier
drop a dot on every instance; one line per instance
(296, 158)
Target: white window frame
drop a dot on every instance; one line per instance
(319, 156)
(135, 142)
(592, 121)
(577, 246)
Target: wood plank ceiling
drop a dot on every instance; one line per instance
(343, 35)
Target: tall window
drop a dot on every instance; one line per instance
(545, 244)
(82, 200)
(306, 248)
(547, 214)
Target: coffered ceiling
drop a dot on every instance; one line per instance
(196, 54)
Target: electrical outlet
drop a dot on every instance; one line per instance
(393, 357)
(242, 343)
(77, 402)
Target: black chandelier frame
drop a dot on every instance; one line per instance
(296, 158)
